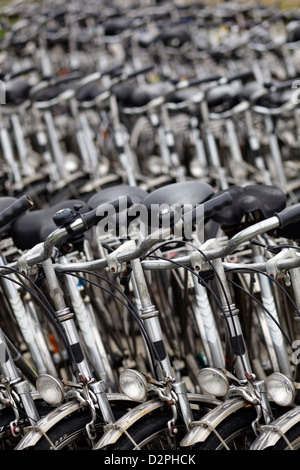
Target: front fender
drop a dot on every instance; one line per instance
(51, 419)
(271, 434)
(128, 419)
(46, 423)
(202, 429)
(115, 431)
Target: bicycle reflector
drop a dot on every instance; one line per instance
(133, 384)
(213, 381)
(50, 389)
(280, 389)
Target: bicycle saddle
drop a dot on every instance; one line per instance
(187, 192)
(56, 37)
(249, 89)
(262, 198)
(270, 100)
(33, 227)
(17, 91)
(175, 36)
(223, 95)
(136, 194)
(182, 95)
(51, 92)
(293, 31)
(123, 92)
(88, 92)
(117, 25)
(141, 95)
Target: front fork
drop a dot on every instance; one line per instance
(66, 319)
(253, 390)
(150, 317)
(14, 383)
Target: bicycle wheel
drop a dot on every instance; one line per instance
(234, 433)
(290, 441)
(152, 432)
(11, 436)
(71, 433)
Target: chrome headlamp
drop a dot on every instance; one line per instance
(50, 389)
(213, 381)
(281, 389)
(133, 384)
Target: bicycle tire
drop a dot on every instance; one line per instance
(152, 433)
(291, 440)
(71, 434)
(8, 441)
(234, 433)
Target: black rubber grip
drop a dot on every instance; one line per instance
(13, 211)
(209, 208)
(94, 216)
(216, 204)
(289, 215)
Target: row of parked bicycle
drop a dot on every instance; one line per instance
(149, 224)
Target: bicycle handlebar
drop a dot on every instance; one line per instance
(44, 251)
(14, 210)
(289, 215)
(214, 205)
(96, 215)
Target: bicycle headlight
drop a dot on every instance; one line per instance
(50, 389)
(280, 389)
(133, 384)
(213, 381)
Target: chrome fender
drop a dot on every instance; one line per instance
(271, 434)
(115, 431)
(51, 419)
(46, 423)
(203, 428)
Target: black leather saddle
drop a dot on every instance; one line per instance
(17, 91)
(33, 227)
(187, 192)
(175, 35)
(270, 100)
(225, 95)
(136, 194)
(116, 25)
(132, 95)
(185, 195)
(88, 92)
(263, 199)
